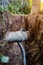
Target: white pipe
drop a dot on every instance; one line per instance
(16, 36)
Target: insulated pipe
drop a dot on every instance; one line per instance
(16, 36)
(23, 52)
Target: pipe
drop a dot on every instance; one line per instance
(23, 51)
(16, 36)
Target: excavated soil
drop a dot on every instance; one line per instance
(34, 46)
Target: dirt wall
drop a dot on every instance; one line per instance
(34, 24)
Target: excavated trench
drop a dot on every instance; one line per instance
(34, 52)
(14, 50)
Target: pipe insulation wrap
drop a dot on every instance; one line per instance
(16, 36)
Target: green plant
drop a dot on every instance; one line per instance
(16, 7)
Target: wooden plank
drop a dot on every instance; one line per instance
(35, 5)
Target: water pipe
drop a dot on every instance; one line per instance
(23, 52)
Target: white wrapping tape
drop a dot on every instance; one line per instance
(16, 36)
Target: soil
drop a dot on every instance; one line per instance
(15, 55)
(15, 23)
